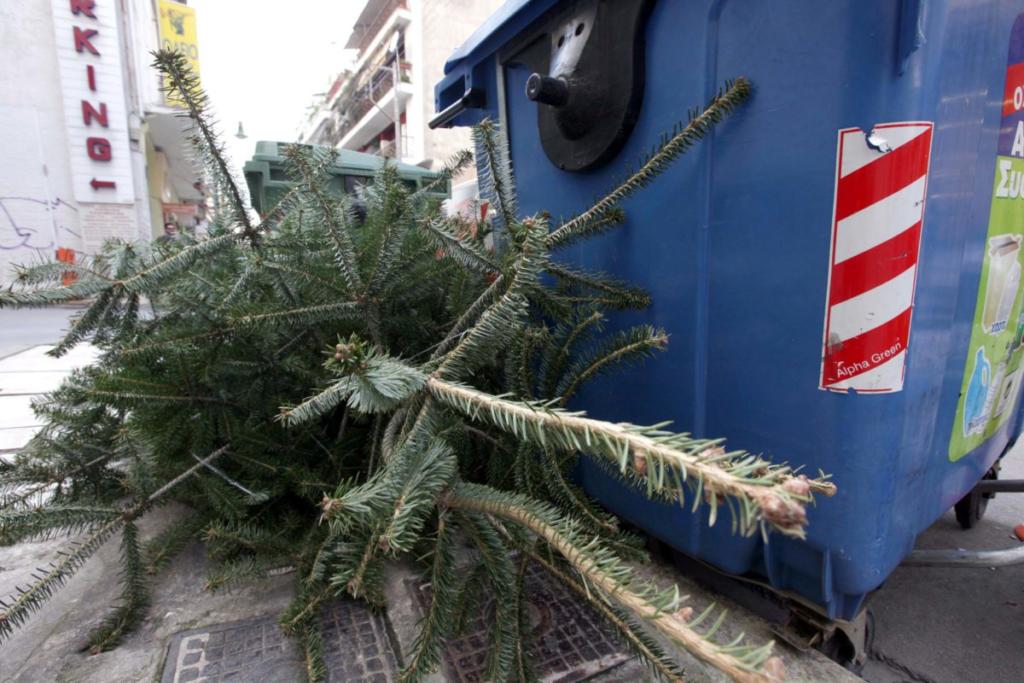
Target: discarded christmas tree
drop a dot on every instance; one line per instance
(423, 377)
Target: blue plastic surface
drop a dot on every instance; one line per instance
(733, 242)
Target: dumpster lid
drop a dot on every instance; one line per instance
(511, 17)
(270, 150)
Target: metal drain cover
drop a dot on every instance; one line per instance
(356, 645)
(355, 642)
(568, 642)
(249, 650)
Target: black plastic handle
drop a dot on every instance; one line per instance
(473, 98)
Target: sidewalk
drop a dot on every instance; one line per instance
(25, 376)
(189, 633)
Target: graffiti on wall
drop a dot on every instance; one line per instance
(40, 225)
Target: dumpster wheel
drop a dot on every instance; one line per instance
(971, 508)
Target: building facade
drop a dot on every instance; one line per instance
(92, 149)
(401, 47)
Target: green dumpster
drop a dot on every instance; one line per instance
(265, 173)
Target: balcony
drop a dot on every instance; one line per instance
(373, 21)
(370, 107)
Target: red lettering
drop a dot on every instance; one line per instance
(90, 73)
(89, 114)
(82, 39)
(99, 149)
(85, 7)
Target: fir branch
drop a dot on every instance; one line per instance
(458, 163)
(643, 646)
(665, 461)
(313, 653)
(628, 346)
(553, 362)
(184, 84)
(502, 320)
(494, 172)
(130, 398)
(618, 294)
(21, 496)
(394, 207)
(241, 288)
(605, 573)
(169, 345)
(332, 215)
(55, 271)
(523, 669)
(306, 606)
(231, 573)
(469, 316)
(470, 598)
(225, 538)
(134, 596)
(582, 226)
(572, 498)
(469, 253)
(40, 298)
(48, 581)
(607, 221)
(377, 385)
(501, 572)
(281, 210)
(21, 525)
(313, 278)
(304, 316)
(16, 610)
(432, 472)
(362, 578)
(158, 273)
(436, 624)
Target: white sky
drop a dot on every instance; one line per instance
(261, 62)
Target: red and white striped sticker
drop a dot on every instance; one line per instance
(881, 185)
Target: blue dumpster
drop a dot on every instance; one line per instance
(838, 265)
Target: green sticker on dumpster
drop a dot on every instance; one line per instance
(992, 374)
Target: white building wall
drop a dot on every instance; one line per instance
(415, 125)
(447, 24)
(142, 93)
(141, 38)
(38, 212)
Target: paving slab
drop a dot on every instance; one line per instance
(15, 382)
(14, 439)
(49, 647)
(24, 376)
(27, 327)
(16, 411)
(35, 359)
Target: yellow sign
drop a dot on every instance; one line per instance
(178, 32)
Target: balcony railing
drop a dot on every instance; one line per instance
(364, 32)
(379, 81)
